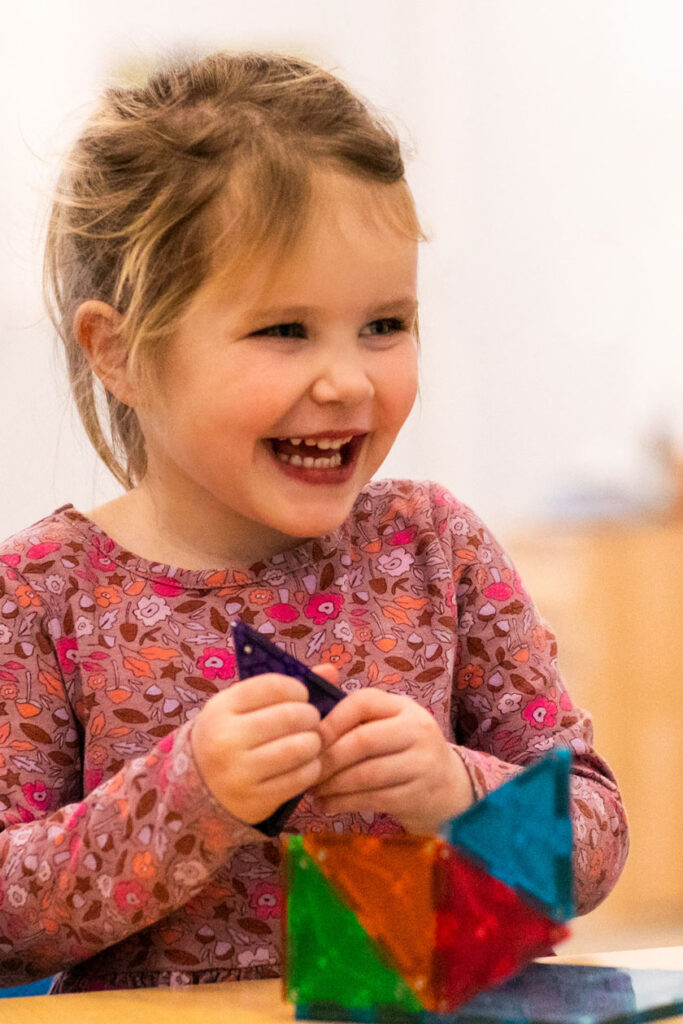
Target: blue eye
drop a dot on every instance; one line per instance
(395, 326)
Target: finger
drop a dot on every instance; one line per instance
(393, 800)
(375, 773)
(275, 721)
(264, 690)
(328, 672)
(360, 706)
(285, 755)
(378, 738)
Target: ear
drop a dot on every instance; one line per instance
(96, 329)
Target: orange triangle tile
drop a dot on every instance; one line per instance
(389, 884)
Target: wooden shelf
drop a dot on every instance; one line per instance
(613, 595)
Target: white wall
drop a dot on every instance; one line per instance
(547, 166)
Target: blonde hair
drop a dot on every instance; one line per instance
(134, 221)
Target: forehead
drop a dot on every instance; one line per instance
(355, 238)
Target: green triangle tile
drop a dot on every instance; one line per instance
(521, 833)
(329, 957)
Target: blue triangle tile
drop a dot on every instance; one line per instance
(521, 833)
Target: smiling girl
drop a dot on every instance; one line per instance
(231, 265)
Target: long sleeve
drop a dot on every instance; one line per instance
(80, 873)
(510, 704)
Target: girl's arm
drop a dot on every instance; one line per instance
(510, 704)
(80, 874)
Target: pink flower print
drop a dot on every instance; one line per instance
(406, 536)
(266, 900)
(151, 610)
(130, 896)
(166, 586)
(39, 551)
(78, 813)
(565, 701)
(216, 661)
(323, 607)
(282, 612)
(540, 712)
(67, 649)
(98, 555)
(37, 795)
(395, 564)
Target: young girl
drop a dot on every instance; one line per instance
(232, 252)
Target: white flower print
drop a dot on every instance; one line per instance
(188, 873)
(459, 526)
(54, 583)
(342, 631)
(395, 564)
(44, 871)
(509, 702)
(83, 626)
(5, 635)
(105, 883)
(17, 895)
(275, 577)
(151, 610)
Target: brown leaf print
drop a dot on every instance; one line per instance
(521, 684)
(327, 576)
(476, 648)
(35, 733)
(400, 664)
(218, 622)
(253, 925)
(428, 675)
(146, 803)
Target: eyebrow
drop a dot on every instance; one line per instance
(407, 303)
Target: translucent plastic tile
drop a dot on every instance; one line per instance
(485, 931)
(522, 834)
(389, 883)
(329, 957)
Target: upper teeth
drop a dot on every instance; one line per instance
(321, 442)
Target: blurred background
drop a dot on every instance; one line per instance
(544, 145)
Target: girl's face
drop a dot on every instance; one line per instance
(333, 354)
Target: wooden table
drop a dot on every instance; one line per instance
(247, 1002)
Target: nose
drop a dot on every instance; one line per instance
(342, 377)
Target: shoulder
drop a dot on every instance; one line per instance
(424, 504)
(51, 543)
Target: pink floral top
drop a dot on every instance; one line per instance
(118, 868)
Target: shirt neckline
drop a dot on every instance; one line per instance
(305, 555)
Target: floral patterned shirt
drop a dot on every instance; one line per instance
(118, 868)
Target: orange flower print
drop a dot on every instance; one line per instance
(470, 675)
(97, 680)
(143, 865)
(363, 634)
(540, 713)
(106, 596)
(335, 655)
(260, 595)
(26, 596)
(9, 691)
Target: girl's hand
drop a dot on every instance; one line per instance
(385, 753)
(257, 744)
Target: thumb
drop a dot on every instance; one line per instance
(328, 672)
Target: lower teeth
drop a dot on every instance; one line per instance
(308, 462)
